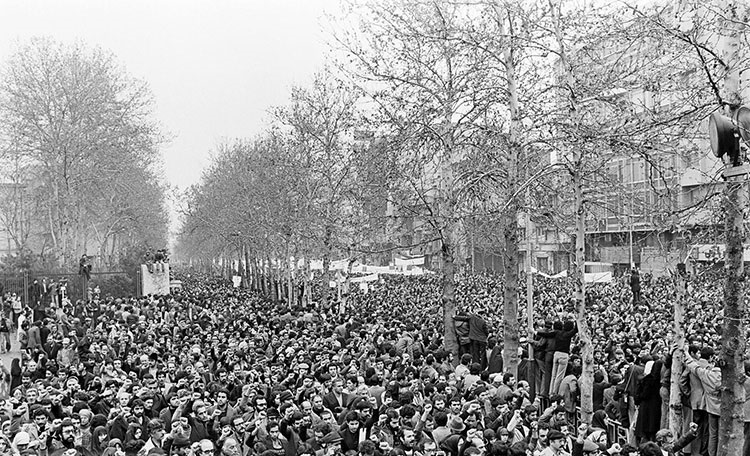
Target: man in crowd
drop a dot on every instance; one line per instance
(219, 370)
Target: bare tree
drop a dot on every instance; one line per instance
(80, 123)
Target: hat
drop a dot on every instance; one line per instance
(555, 435)
(589, 446)
(331, 437)
(286, 395)
(457, 425)
(22, 438)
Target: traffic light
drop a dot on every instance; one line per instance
(725, 134)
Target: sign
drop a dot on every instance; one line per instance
(715, 252)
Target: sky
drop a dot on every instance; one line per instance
(215, 67)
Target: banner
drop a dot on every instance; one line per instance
(338, 265)
(409, 261)
(367, 278)
(560, 275)
(597, 277)
(236, 281)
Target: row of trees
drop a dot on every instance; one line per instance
(440, 122)
(79, 153)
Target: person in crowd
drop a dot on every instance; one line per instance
(224, 370)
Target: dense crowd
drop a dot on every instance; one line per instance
(222, 370)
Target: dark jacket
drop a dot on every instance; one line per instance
(477, 327)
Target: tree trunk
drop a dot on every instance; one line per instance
(248, 268)
(347, 285)
(675, 404)
(510, 295)
(306, 282)
(449, 297)
(531, 363)
(731, 421)
(511, 356)
(266, 268)
(587, 349)
(326, 278)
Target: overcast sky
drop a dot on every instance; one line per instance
(214, 66)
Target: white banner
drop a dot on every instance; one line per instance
(560, 275)
(598, 277)
(338, 265)
(367, 278)
(409, 261)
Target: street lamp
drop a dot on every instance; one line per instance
(725, 133)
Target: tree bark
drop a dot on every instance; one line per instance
(675, 404)
(510, 294)
(449, 297)
(731, 423)
(510, 226)
(587, 349)
(326, 277)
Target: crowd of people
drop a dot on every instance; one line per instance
(222, 370)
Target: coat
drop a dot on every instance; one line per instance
(569, 392)
(648, 398)
(697, 396)
(477, 327)
(330, 402)
(495, 360)
(710, 378)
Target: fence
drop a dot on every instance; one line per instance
(615, 430)
(18, 284)
(109, 283)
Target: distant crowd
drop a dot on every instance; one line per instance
(223, 370)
